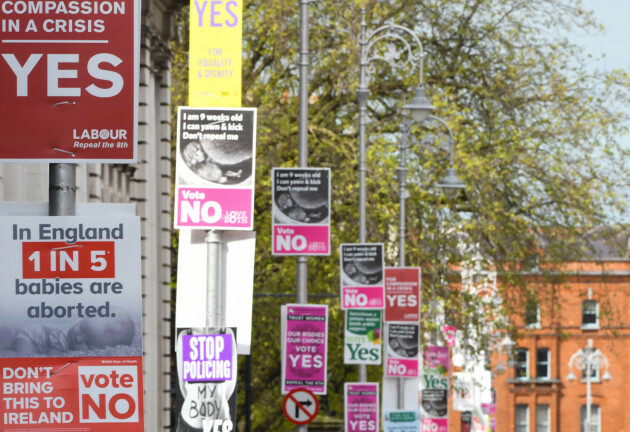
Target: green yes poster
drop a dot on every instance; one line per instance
(362, 337)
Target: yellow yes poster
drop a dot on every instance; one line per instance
(216, 39)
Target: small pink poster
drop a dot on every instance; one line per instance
(402, 350)
(361, 403)
(214, 168)
(304, 347)
(300, 211)
(433, 425)
(362, 266)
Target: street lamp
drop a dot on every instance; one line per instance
(396, 57)
(411, 54)
(589, 359)
(451, 185)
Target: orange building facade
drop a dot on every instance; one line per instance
(587, 310)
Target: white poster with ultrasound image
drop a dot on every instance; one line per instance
(300, 210)
(70, 286)
(402, 345)
(362, 275)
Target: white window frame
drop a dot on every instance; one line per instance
(596, 418)
(546, 363)
(543, 418)
(524, 364)
(591, 326)
(522, 426)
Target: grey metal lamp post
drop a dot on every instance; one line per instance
(419, 109)
(414, 56)
(589, 359)
(394, 57)
(450, 184)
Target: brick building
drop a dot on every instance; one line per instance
(588, 309)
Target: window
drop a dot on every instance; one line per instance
(521, 363)
(532, 311)
(542, 418)
(590, 314)
(595, 419)
(542, 363)
(521, 418)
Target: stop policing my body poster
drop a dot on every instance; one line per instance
(207, 377)
(70, 323)
(304, 347)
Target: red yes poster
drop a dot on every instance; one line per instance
(402, 294)
(69, 80)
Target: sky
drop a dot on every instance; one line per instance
(614, 42)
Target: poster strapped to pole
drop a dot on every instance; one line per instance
(362, 284)
(435, 387)
(402, 294)
(300, 211)
(69, 81)
(304, 330)
(215, 57)
(402, 350)
(70, 323)
(214, 179)
(362, 337)
(361, 407)
(207, 375)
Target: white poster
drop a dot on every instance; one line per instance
(70, 286)
(390, 390)
(215, 167)
(237, 262)
(402, 348)
(463, 399)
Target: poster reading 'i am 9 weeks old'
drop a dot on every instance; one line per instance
(301, 211)
(70, 323)
(362, 284)
(214, 168)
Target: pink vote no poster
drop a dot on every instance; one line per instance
(214, 168)
(304, 347)
(362, 266)
(300, 211)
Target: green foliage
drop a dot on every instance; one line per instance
(537, 143)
